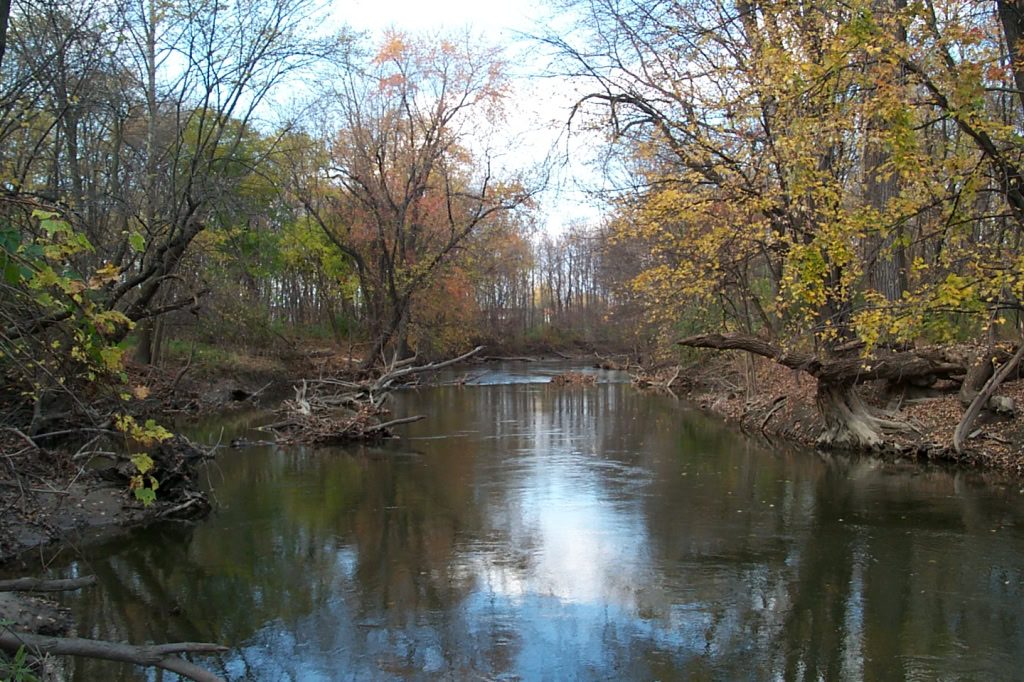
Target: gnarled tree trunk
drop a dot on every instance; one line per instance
(849, 421)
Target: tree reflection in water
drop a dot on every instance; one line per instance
(593, 533)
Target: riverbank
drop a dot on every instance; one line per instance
(51, 503)
(782, 406)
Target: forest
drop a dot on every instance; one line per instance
(835, 188)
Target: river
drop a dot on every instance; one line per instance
(527, 532)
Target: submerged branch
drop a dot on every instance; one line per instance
(152, 655)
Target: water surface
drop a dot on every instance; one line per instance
(529, 532)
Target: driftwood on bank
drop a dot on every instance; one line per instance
(152, 655)
(657, 381)
(40, 585)
(329, 411)
(175, 465)
(982, 399)
(611, 363)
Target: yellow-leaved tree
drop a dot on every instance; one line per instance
(829, 182)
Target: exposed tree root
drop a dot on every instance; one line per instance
(848, 420)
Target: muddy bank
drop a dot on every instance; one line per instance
(50, 502)
(782, 406)
(50, 505)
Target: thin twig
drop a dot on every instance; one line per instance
(269, 384)
(394, 422)
(22, 435)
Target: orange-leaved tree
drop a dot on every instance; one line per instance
(407, 175)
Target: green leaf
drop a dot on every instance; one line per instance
(111, 357)
(10, 240)
(52, 227)
(142, 462)
(12, 273)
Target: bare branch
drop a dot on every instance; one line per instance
(152, 655)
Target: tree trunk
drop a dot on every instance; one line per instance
(159, 339)
(144, 346)
(848, 420)
(5, 13)
(402, 349)
(978, 372)
(887, 274)
(963, 429)
(1011, 15)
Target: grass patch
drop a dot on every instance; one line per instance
(218, 359)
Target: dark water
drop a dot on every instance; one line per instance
(523, 531)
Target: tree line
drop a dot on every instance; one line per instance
(842, 180)
(234, 173)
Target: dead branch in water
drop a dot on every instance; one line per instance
(329, 411)
(152, 655)
(395, 422)
(389, 379)
(571, 378)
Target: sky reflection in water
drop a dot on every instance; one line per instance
(585, 533)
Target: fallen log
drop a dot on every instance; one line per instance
(982, 398)
(40, 585)
(151, 655)
(901, 365)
